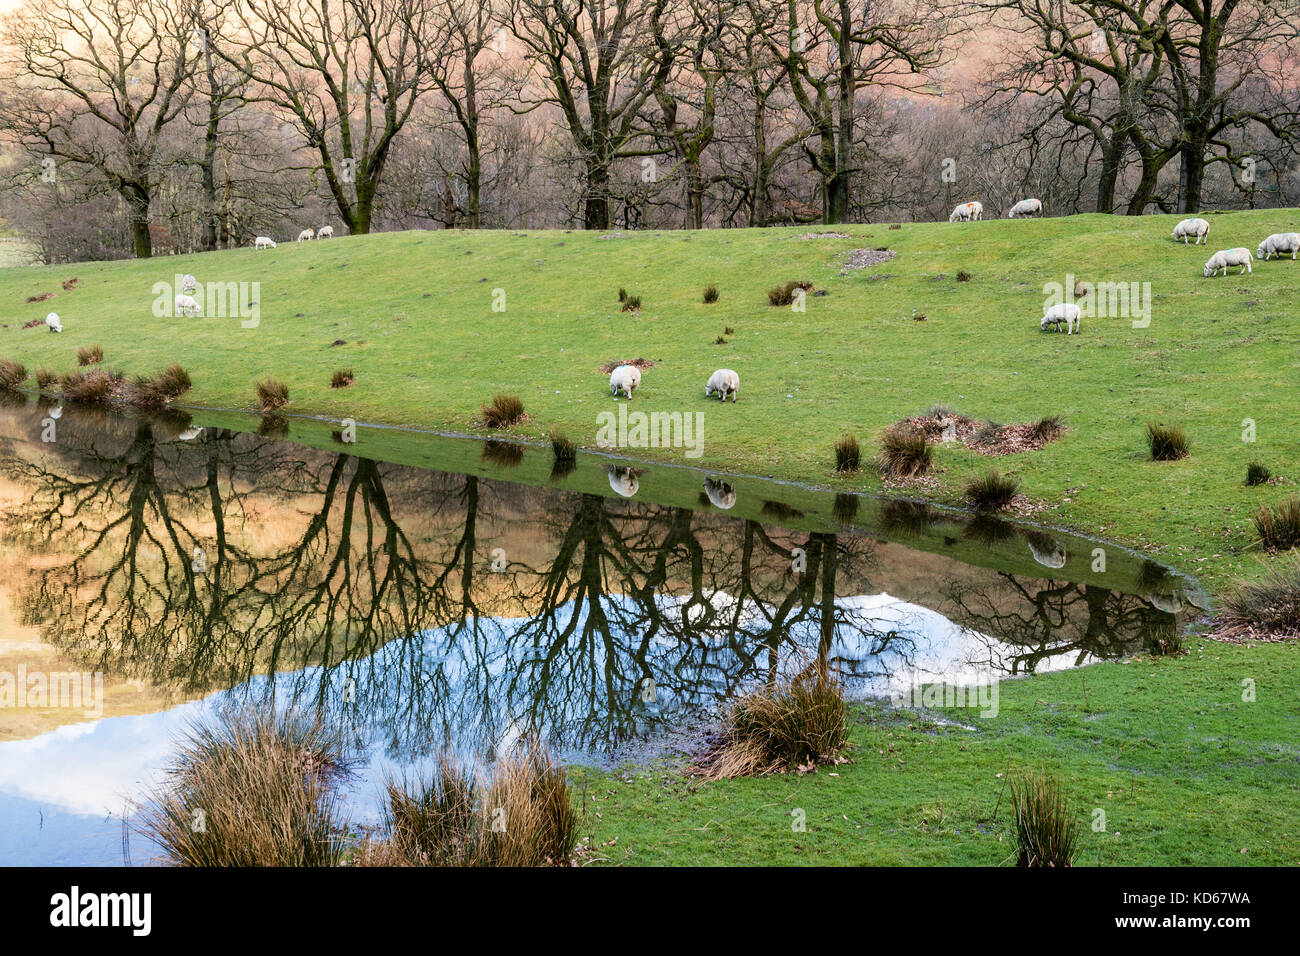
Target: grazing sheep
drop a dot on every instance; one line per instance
(307, 235)
(1189, 228)
(625, 379)
(623, 480)
(325, 232)
(1055, 558)
(263, 242)
(1228, 257)
(1026, 209)
(1067, 313)
(189, 283)
(1279, 244)
(720, 494)
(967, 212)
(725, 382)
(187, 305)
(52, 320)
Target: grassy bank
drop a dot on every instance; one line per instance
(415, 312)
(1186, 772)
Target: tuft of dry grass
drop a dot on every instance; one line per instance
(710, 294)
(797, 723)
(785, 294)
(1167, 443)
(904, 452)
(12, 374)
(342, 378)
(632, 304)
(1257, 474)
(1046, 833)
(848, 457)
(563, 448)
(1267, 609)
(90, 388)
(161, 390)
(46, 379)
(518, 814)
(92, 355)
(991, 492)
(250, 789)
(272, 395)
(503, 411)
(1279, 527)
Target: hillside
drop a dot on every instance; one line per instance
(415, 311)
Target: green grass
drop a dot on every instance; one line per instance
(1185, 770)
(415, 311)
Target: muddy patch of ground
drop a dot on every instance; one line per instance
(863, 258)
(635, 363)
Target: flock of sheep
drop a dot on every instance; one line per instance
(307, 235)
(1068, 313)
(724, 383)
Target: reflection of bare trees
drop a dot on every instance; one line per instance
(422, 606)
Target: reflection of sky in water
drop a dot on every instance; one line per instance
(491, 687)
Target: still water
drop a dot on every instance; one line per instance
(429, 592)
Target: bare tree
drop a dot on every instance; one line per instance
(94, 84)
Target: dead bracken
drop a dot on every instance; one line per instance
(986, 438)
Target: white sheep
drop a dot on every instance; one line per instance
(263, 242)
(1026, 209)
(724, 382)
(325, 232)
(1055, 558)
(1068, 313)
(307, 235)
(1228, 257)
(186, 305)
(623, 480)
(52, 320)
(1279, 244)
(1192, 228)
(720, 494)
(967, 211)
(625, 379)
(190, 433)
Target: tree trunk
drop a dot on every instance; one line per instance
(1112, 157)
(694, 193)
(1192, 173)
(596, 204)
(210, 134)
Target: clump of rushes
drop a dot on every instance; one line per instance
(563, 447)
(451, 817)
(1046, 833)
(728, 331)
(992, 492)
(848, 457)
(1256, 474)
(89, 388)
(342, 378)
(795, 723)
(1279, 526)
(272, 395)
(12, 374)
(1268, 608)
(90, 356)
(710, 294)
(720, 340)
(503, 411)
(46, 379)
(1047, 429)
(784, 294)
(904, 452)
(963, 276)
(266, 784)
(632, 303)
(622, 294)
(165, 387)
(1168, 443)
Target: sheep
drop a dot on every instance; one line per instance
(307, 235)
(189, 283)
(190, 433)
(1053, 558)
(1026, 209)
(1192, 227)
(52, 320)
(186, 305)
(325, 232)
(1068, 313)
(1279, 244)
(625, 379)
(720, 494)
(623, 480)
(1228, 257)
(725, 382)
(967, 212)
(263, 242)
